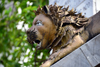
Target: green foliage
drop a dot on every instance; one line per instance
(15, 51)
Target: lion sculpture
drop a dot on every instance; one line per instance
(56, 28)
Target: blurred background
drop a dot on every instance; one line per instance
(16, 16)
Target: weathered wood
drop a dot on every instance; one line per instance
(91, 50)
(75, 59)
(94, 47)
(87, 55)
(91, 59)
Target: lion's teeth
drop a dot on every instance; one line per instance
(34, 42)
(39, 45)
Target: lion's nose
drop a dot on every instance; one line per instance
(28, 32)
(31, 34)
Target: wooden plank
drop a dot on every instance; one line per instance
(91, 50)
(74, 59)
(88, 55)
(97, 48)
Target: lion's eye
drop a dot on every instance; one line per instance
(38, 23)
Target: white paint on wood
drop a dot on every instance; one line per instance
(96, 6)
(87, 7)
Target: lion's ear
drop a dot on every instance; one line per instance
(46, 9)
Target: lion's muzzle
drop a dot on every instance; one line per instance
(31, 36)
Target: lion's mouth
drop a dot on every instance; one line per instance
(38, 42)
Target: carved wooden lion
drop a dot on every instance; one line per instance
(61, 30)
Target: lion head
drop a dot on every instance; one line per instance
(42, 31)
(54, 26)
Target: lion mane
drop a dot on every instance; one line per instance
(62, 18)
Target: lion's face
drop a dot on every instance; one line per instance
(42, 31)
